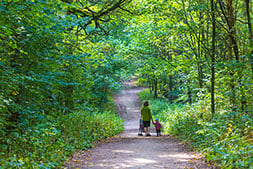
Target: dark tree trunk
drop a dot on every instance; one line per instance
(189, 92)
(170, 83)
(248, 11)
(155, 92)
(213, 57)
(247, 3)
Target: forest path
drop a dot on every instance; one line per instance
(131, 151)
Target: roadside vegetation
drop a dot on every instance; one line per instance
(49, 142)
(61, 62)
(225, 139)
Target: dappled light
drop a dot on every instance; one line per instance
(82, 80)
(177, 157)
(123, 151)
(128, 150)
(134, 162)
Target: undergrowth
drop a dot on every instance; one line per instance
(224, 138)
(50, 142)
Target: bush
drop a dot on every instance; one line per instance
(223, 138)
(49, 143)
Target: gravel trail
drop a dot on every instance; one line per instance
(128, 150)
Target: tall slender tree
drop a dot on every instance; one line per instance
(213, 56)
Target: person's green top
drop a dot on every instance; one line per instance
(146, 114)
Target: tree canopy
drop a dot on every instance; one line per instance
(59, 57)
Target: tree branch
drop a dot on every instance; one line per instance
(98, 16)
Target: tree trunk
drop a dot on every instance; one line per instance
(213, 57)
(247, 3)
(231, 23)
(250, 31)
(155, 92)
(189, 92)
(231, 27)
(230, 19)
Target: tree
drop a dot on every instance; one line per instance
(213, 57)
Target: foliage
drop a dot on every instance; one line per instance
(171, 41)
(47, 68)
(225, 139)
(56, 63)
(48, 144)
(56, 80)
(181, 63)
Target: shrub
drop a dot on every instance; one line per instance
(224, 138)
(49, 143)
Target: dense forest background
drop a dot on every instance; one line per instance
(62, 61)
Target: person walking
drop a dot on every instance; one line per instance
(158, 127)
(146, 117)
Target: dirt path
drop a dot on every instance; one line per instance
(131, 151)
